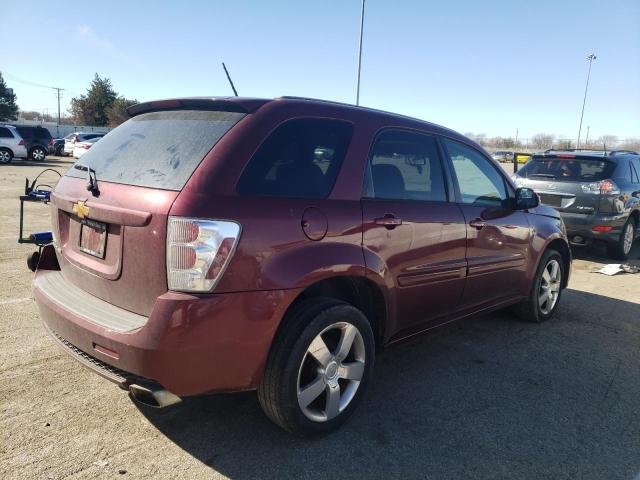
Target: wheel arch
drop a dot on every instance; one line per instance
(562, 247)
(359, 291)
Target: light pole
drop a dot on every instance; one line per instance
(360, 54)
(591, 57)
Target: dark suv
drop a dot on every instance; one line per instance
(597, 194)
(227, 244)
(36, 139)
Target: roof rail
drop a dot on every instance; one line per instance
(623, 152)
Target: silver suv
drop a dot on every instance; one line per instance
(11, 144)
(596, 192)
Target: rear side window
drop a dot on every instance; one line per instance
(25, 133)
(300, 159)
(5, 133)
(405, 166)
(157, 149)
(567, 169)
(635, 176)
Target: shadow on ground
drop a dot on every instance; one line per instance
(488, 397)
(598, 253)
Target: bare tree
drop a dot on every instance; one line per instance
(542, 141)
(608, 141)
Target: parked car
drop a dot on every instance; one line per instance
(80, 148)
(277, 245)
(56, 147)
(71, 139)
(36, 140)
(597, 194)
(502, 156)
(11, 144)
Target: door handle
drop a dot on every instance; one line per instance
(477, 223)
(388, 221)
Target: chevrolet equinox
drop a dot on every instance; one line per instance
(227, 244)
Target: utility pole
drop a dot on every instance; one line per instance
(515, 144)
(58, 90)
(586, 140)
(360, 54)
(591, 57)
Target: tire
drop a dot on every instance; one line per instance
(6, 155)
(37, 154)
(294, 376)
(60, 152)
(622, 248)
(533, 309)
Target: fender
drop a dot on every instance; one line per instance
(543, 233)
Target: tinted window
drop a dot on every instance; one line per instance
(301, 158)
(26, 133)
(478, 180)
(157, 149)
(405, 166)
(43, 134)
(5, 133)
(567, 169)
(635, 175)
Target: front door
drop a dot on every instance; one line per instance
(497, 235)
(411, 229)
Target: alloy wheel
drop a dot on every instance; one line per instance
(549, 286)
(331, 372)
(627, 239)
(4, 156)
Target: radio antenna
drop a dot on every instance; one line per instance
(229, 78)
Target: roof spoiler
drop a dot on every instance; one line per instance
(220, 104)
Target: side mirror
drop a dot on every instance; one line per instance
(526, 199)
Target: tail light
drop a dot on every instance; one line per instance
(198, 251)
(605, 187)
(51, 142)
(602, 228)
(21, 142)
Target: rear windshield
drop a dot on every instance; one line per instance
(567, 169)
(157, 149)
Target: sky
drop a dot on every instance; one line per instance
(485, 67)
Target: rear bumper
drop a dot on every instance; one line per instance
(582, 225)
(190, 344)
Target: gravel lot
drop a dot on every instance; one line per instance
(490, 397)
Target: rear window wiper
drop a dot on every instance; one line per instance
(545, 175)
(92, 179)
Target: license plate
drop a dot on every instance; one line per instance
(93, 238)
(551, 200)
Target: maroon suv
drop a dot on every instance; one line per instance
(226, 244)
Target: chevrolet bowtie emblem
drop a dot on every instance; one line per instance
(80, 209)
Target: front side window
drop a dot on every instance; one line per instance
(405, 166)
(478, 181)
(300, 159)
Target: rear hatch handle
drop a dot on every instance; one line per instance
(104, 213)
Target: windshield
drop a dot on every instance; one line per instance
(567, 169)
(157, 149)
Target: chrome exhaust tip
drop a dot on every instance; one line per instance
(156, 398)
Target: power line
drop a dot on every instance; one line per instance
(33, 84)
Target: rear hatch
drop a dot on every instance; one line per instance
(111, 242)
(569, 183)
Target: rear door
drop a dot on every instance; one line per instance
(498, 237)
(112, 243)
(410, 224)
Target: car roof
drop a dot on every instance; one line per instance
(250, 105)
(586, 154)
